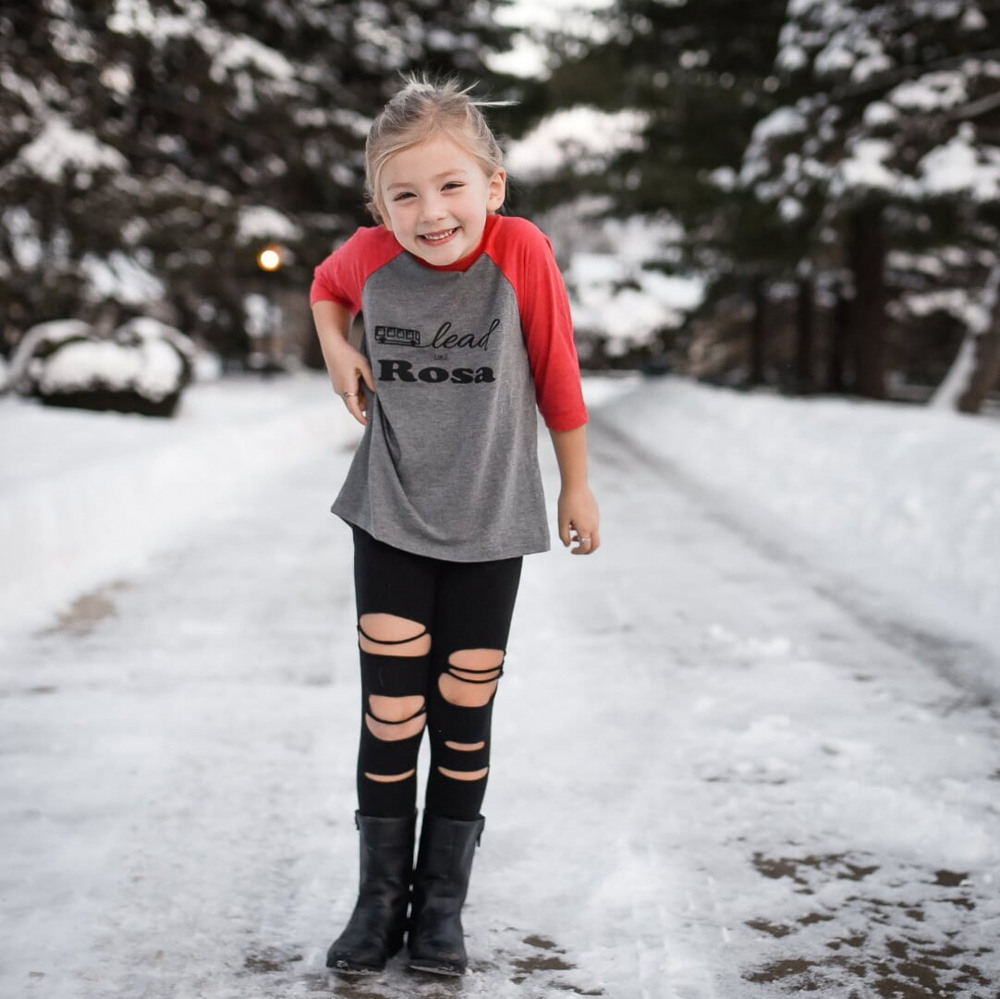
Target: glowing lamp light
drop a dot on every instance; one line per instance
(269, 259)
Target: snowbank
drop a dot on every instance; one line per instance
(902, 498)
(905, 498)
(88, 497)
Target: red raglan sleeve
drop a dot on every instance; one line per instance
(547, 325)
(341, 277)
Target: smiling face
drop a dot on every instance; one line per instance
(435, 197)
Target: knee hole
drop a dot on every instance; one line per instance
(392, 719)
(466, 695)
(390, 778)
(477, 660)
(464, 774)
(390, 635)
(394, 709)
(465, 747)
(471, 680)
(395, 733)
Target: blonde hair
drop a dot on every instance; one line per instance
(423, 109)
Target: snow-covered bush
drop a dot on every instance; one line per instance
(37, 344)
(142, 368)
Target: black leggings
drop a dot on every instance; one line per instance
(435, 664)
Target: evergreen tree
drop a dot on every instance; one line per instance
(697, 77)
(152, 147)
(885, 151)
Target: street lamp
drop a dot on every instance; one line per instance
(263, 315)
(269, 258)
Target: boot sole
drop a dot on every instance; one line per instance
(355, 971)
(429, 968)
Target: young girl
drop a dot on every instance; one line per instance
(466, 326)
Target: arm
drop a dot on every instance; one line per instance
(347, 367)
(579, 517)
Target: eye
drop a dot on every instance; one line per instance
(452, 184)
(403, 196)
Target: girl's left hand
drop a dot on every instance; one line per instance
(579, 521)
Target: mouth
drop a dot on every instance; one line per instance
(438, 237)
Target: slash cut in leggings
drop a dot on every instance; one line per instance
(432, 636)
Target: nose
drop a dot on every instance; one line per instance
(432, 208)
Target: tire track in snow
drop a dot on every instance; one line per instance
(911, 917)
(973, 669)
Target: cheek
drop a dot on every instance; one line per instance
(392, 217)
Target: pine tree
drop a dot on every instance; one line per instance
(697, 77)
(152, 147)
(885, 151)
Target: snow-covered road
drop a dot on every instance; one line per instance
(721, 770)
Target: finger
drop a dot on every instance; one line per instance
(365, 371)
(564, 534)
(358, 407)
(356, 404)
(586, 542)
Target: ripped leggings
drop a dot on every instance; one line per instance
(432, 636)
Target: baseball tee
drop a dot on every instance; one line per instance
(461, 357)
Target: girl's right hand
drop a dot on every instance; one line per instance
(351, 373)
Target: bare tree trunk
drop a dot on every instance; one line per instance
(866, 258)
(805, 347)
(840, 343)
(758, 293)
(986, 373)
(976, 368)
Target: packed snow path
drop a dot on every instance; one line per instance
(719, 770)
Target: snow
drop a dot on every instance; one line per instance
(865, 166)
(263, 222)
(59, 146)
(234, 52)
(939, 91)
(25, 246)
(618, 290)
(529, 54)
(973, 19)
(582, 139)
(624, 303)
(849, 475)
(960, 374)
(779, 123)
(120, 277)
(976, 311)
(138, 17)
(153, 370)
(958, 166)
(910, 494)
(86, 496)
(840, 40)
(748, 749)
(229, 53)
(879, 114)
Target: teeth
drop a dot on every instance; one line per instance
(437, 236)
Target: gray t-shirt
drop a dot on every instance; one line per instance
(448, 465)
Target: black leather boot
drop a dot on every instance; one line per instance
(440, 884)
(375, 930)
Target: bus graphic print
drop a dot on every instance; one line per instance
(397, 335)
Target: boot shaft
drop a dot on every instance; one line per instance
(444, 861)
(386, 847)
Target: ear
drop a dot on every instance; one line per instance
(497, 190)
